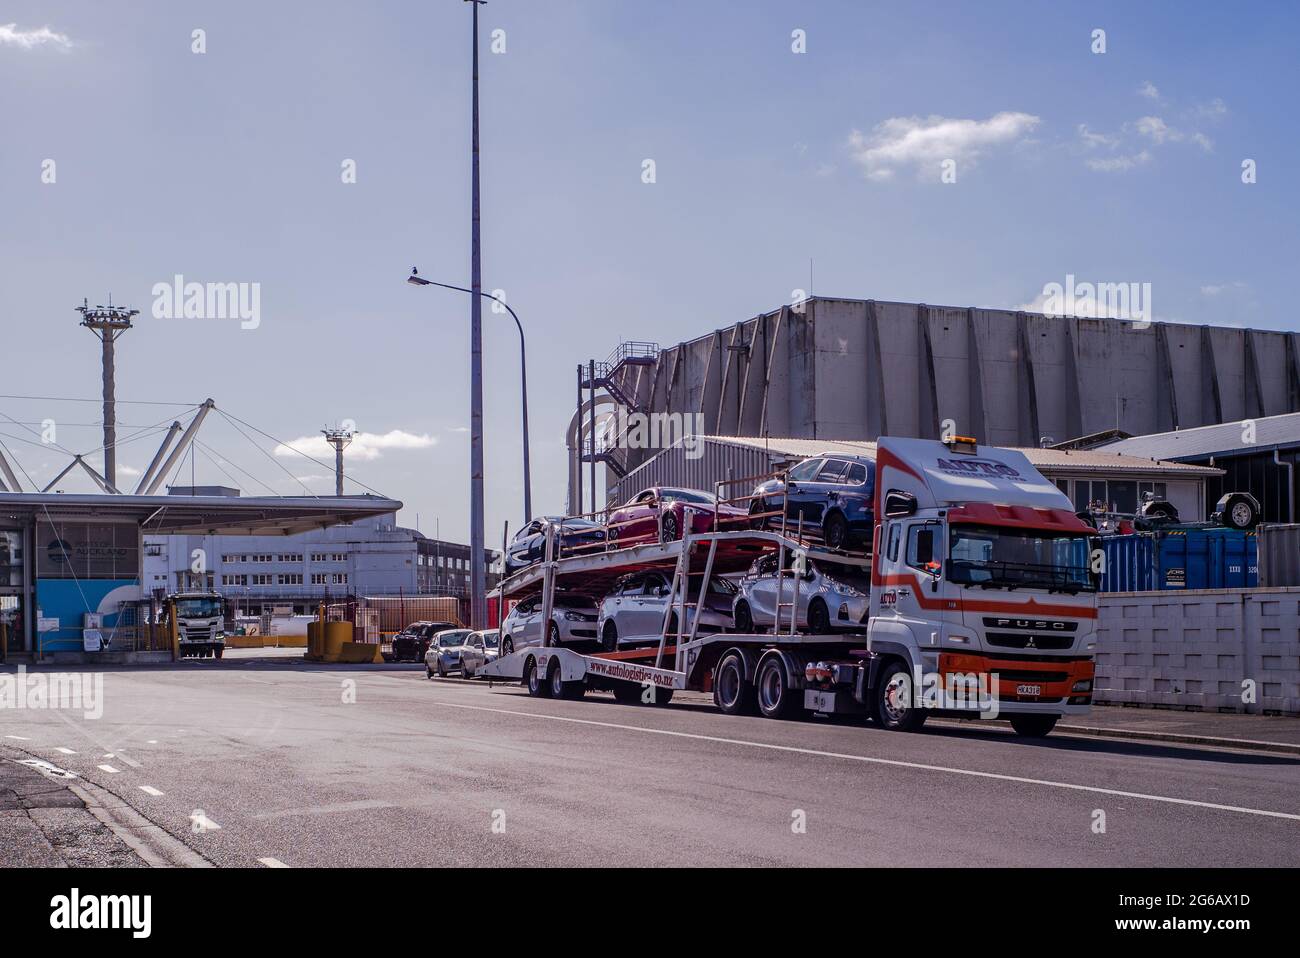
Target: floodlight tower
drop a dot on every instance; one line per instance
(108, 323)
(340, 439)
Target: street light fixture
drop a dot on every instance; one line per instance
(415, 279)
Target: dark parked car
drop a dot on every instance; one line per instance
(639, 519)
(833, 494)
(412, 642)
(529, 545)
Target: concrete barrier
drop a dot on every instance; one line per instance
(1215, 650)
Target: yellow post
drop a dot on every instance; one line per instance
(175, 630)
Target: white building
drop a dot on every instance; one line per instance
(370, 557)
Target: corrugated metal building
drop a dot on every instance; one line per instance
(1085, 476)
(1255, 455)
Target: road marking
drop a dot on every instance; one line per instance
(150, 790)
(45, 768)
(325, 809)
(202, 823)
(65, 751)
(108, 768)
(896, 763)
(272, 863)
(19, 738)
(152, 741)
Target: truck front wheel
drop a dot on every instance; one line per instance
(893, 701)
(1033, 726)
(218, 650)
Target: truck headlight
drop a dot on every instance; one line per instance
(1083, 685)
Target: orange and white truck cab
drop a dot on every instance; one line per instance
(983, 596)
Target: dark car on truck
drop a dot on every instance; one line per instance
(572, 537)
(831, 494)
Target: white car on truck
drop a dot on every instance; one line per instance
(981, 604)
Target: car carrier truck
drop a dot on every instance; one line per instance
(983, 586)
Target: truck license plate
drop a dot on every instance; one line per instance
(1029, 690)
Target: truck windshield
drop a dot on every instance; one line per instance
(202, 608)
(1010, 558)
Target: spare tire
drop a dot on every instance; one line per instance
(1237, 510)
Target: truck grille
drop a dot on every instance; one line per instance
(1021, 640)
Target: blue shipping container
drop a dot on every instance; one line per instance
(1206, 559)
(1129, 563)
(1211, 558)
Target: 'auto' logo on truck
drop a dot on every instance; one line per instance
(979, 467)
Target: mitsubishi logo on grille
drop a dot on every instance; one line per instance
(1030, 643)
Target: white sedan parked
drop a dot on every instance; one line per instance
(831, 598)
(479, 649)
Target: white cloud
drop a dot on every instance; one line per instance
(366, 446)
(1216, 109)
(1093, 140)
(1156, 129)
(923, 143)
(1118, 164)
(11, 36)
(1215, 289)
(1149, 90)
(1085, 308)
(1203, 141)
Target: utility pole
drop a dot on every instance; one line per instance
(108, 323)
(477, 578)
(340, 439)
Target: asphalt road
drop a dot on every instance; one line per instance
(282, 762)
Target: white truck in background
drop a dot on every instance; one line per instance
(200, 623)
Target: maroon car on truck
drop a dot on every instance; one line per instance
(639, 519)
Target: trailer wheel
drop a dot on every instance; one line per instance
(893, 705)
(1238, 511)
(819, 618)
(731, 693)
(835, 531)
(743, 618)
(1033, 726)
(538, 688)
(609, 637)
(776, 698)
(555, 682)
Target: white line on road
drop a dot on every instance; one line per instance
(202, 823)
(150, 790)
(886, 761)
(108, 768)
(272, 863)
(19, 738)
(65, 751)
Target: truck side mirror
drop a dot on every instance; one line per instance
(899, 504)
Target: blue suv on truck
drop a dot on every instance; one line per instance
(833, 494)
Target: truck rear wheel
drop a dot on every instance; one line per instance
(893, 701)
(1033, 726)
(731, 693)
(776, 698)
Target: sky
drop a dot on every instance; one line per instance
(317, 151)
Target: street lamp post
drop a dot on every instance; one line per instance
(415, 279)
(477, 577)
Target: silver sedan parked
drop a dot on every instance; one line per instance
(831, 598)
(479, 649)
(445, 652)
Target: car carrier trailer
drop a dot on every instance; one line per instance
(955, 626)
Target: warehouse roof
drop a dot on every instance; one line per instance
(1271, 432)
(1053, 460)
(200, 515)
